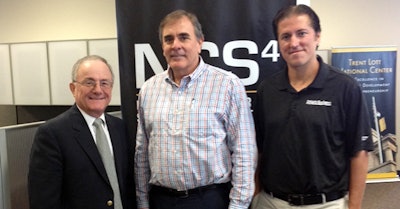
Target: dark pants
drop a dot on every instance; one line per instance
(211, 198)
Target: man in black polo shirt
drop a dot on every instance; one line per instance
(312, 125)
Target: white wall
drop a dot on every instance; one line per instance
(50, 20)
(344, 23)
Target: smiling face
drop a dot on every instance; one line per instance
(181, 47)
(297, 40)
(93, 100)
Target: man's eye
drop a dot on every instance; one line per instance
(168, 40)
(301, 34)
(89, 83)
(106, 84)
(285, 37)
(183, 38)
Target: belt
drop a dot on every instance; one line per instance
(308, 199)
(186, 193)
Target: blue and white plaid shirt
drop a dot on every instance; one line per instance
(195, 134)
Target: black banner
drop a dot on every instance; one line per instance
(238, 38)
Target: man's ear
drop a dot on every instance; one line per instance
(200, 41)
(72, 88)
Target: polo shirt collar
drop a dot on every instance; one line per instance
(322, 75)
(282, 79)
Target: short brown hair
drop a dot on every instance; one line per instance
(178, 14)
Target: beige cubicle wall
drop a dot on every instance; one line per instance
(39, 73)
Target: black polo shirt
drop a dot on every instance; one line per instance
(307, 138)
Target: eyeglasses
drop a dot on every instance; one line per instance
(104, 84)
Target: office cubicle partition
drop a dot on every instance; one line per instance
(15, 145)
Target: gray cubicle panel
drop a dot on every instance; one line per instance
(15, 146)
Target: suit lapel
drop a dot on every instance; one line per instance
(84, 137)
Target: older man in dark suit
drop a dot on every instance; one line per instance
(69, 169)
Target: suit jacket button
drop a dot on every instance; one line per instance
(109, 203)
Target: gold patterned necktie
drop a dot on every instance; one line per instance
(108, 161)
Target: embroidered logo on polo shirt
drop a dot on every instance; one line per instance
(319, 102)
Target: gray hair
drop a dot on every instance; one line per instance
(78, 63)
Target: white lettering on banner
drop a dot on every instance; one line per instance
(144, 51)
(251, 64)
(273, 46)
(211, 48)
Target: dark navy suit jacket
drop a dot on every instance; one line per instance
(66, 171)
